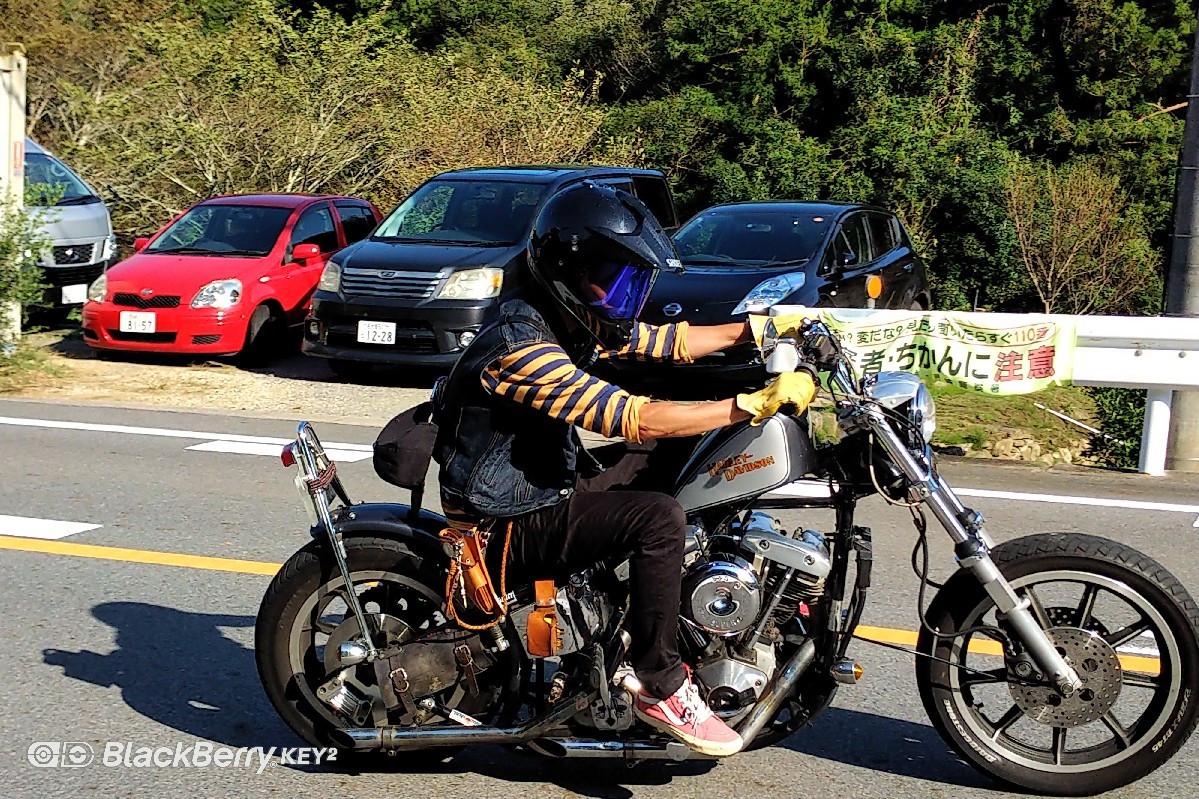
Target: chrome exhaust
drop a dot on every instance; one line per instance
(629, 750)
(777, 691)
(367, 738)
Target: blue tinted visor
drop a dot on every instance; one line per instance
(618, 291)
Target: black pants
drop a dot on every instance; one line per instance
(608, 516)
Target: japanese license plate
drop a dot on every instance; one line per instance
(138, 322)
(377, 332)
(74, 295)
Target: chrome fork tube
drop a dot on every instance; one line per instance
(976, 546)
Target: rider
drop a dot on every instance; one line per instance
(509, 450)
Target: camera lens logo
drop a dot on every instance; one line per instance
(60, 754)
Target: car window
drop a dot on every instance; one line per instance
(740, 235)
(484, 212)
(854, 237)
(357, 221)
(315, 226)
(882, 234)
(49, 181)
(217, 229)
(653, 192)
(624, 184)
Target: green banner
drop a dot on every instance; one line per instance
(970, 350)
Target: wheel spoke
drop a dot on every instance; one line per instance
(1123, 636)
(1117, 729)
(1086, 606)
(1141, 680)
(1038, 609)
(1059, 745)
(1013, 715)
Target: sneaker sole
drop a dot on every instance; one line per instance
(701, 745)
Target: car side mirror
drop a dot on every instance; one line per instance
(304, 253)
(140, 244)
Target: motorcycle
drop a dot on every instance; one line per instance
(1064, 664)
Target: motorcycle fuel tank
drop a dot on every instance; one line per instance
(744, 461)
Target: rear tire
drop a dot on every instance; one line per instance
(1164, 619)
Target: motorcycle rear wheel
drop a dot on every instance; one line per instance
(1119, 616)
(305, 609)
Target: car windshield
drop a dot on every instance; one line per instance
(49, 181)
(215, 229)
(755, 237)
(466, 212)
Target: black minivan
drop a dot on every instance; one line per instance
(417, 290)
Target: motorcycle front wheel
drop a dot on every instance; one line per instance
(1125, 624)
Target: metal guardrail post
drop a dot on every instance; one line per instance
(1156, 432)
(12, 163)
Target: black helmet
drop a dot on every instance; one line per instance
(597, 251)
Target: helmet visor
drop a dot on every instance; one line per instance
(617, 291)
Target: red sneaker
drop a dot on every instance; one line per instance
(687, 717)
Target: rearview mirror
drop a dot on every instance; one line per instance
(304, 253)
(140, 244)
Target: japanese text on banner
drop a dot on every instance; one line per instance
(965, 350)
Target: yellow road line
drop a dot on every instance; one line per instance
(885, 635)
(139, 556)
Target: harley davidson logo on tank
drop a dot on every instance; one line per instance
(734, 467)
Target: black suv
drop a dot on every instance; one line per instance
(419, 288)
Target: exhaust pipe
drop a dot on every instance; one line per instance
(776, 692)
(401, 738)
(630, 750)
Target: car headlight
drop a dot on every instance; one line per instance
(218, 294)
(473, 284)
(98, 288)
(110, 247)
(770, 292)
(330, 278)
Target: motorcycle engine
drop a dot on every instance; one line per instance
(722, 597)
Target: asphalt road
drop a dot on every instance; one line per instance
(108, 650)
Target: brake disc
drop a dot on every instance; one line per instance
(1099, 669)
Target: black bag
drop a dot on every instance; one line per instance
(404, 449)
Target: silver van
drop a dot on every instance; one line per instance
(75, 220)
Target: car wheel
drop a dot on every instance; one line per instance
(263, 334)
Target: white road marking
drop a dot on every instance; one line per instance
(165, 432)
(814, 489)
(255, 448)
(50, 529)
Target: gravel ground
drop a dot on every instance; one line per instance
(291, 385)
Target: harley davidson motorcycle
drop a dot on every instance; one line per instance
(1064, 664)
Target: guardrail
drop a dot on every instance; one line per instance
(1156, 353)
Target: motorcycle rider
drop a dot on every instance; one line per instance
(509, 452)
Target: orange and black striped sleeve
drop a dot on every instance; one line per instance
(542, 376)
(655, 343)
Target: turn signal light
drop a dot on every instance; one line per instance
(288, 455)
(874, 287)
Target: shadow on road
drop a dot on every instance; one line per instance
(179, 669)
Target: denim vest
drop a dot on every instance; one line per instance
(499, 458)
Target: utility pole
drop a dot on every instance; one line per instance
(12, 165)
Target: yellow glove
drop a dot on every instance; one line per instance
(791, 388)
(787, 325)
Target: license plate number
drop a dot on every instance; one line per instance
(138, 322)
(377, 332)
(74, 295)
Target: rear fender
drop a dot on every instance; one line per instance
(395, 521)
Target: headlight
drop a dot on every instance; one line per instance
(922, 413)
(769, 292)
(218, 294)
(98, 288)
(330, 278)
(473, 284)
(110, 247)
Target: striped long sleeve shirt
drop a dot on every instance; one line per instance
(542, 376)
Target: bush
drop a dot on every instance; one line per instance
(1121, 414)
(21, 241)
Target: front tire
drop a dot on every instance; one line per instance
(1119, 616)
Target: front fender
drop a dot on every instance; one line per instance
(394, 521)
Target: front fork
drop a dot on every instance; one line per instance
(972, 547)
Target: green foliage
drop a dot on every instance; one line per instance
(21, 245)
(1121, 413)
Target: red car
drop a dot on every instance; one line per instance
(226, 276)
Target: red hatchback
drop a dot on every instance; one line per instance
(226, 276)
